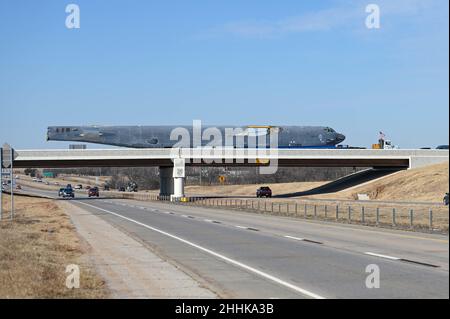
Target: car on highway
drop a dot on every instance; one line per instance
(264, 192)
(18, 187)
(121, 189)
(442, 147)
(60, 192)
(68, 193)
(79, 186)
(93, 192)
(446, 199)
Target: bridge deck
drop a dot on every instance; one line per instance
(229, 157)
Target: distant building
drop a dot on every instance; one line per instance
(77, 146)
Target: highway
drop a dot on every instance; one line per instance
(243, 255)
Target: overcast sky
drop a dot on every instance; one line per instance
(229, 62)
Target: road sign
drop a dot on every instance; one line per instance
(8, 154)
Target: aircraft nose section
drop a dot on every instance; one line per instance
(340, 137)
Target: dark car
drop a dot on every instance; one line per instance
(446, 199)
(61, 192)
(264, 192)
(121, 189)
(442, 147)
(68, 193)
(93, 192)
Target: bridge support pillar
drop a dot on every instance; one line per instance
(178, 183)
(166, 180)
(179, 173)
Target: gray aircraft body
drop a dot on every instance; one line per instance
(160, 136)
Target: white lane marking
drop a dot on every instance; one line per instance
(208, 220)
(295, 238)
(186, 216)
(213, 253)
(382, 256)
(242, 227)
(166, 212)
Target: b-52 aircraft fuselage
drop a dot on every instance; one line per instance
(171, 136)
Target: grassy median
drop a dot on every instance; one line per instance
(36, 248)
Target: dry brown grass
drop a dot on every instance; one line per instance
(35, 250)
(428, 184)
(250, 190)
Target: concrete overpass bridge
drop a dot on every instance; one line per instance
(172, 181)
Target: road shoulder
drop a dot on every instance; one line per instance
(130, 269)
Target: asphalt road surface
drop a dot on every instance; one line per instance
(244, 255)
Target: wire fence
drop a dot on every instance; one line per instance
(415, 217)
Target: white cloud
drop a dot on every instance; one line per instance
(346, 14)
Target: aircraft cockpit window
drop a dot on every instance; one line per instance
(74, 130)
(57, 130)
(329, 130)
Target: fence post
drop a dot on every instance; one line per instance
(337, 212)
(349, 214)
(363, 215)
(378, 216)
(326, 211)
(288, 208)
(272, 208)
(411, 218)
(296, 209)
(315, 211)
(306, 210)
(394, 211)
(430, 219)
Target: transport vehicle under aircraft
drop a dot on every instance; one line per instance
(166, 136)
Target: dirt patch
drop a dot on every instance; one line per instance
(36, 248)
